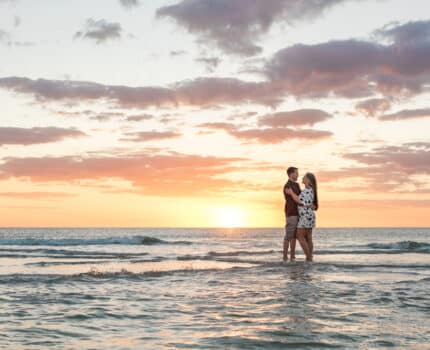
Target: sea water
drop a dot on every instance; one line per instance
(141, 288)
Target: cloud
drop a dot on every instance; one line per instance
(175, 53)
(235, 25)
(388, 168)
(278, 135)
(298, 117)
(267, 135)
(102, 116)
(144, 136)
(6, 38)
(377, 204)
(129, 3)
(337, 68)
(139, 117)
(3, 35)
(211, 63)
(201, 92)
(100, 31)
(407, 114)
(36, 135)
(105, 116)
(161, 174)
(334, 68)
(37, 195)
(373, 106)
(408, 158)
(410, 33)
(16, 21)
(213, 91)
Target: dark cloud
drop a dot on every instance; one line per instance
(211, 63)
(139, 117)
(175, 53)
(407, 114)
(298, 117)
(129, 3)
(36, 135)
(338, 68)
(105, 116)
(145, 136)
(16, 21)
(235, 26)
(100, 31)
(198, 92)
(407, 34)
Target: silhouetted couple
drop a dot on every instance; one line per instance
(300, 206)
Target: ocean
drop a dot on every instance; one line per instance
(143, 288)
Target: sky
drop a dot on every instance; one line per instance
(187, 113)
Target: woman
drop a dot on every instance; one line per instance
(306, 222)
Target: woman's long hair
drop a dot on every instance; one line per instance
(313, 182)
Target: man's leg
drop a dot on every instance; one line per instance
(286, 244)
(292, 232)
(293, 249)
(290, 235)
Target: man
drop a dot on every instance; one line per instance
(291, 213)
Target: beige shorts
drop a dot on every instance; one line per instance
(291, 227)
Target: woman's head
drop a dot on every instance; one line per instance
(309, 180)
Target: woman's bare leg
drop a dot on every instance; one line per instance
(302, 240)
(308, 237)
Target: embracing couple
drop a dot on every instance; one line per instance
(300, 207)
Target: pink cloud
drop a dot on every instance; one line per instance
(37, 195)
(159, 174)
(373, 106)
(388, 168)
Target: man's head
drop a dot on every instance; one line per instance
(293, 173)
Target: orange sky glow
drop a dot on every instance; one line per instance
(168, 115)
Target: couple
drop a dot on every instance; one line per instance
(299, 213)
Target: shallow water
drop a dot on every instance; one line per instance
(213, 289)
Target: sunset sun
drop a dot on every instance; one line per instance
(229, 217)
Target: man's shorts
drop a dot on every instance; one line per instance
(291, 227)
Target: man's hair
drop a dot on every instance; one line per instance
(291, 170)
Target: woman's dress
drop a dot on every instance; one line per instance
(306, 214)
